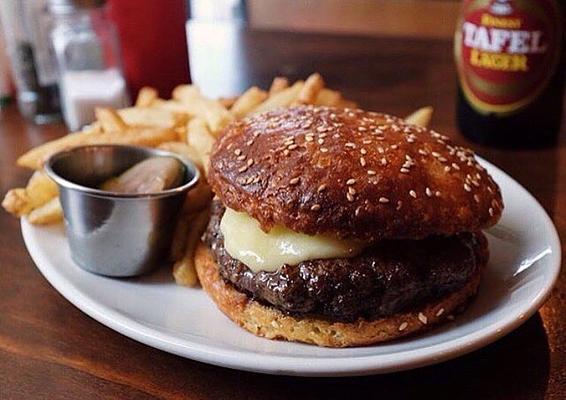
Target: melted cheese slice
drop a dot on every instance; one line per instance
(245, 241)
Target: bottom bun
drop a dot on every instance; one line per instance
(271, 323)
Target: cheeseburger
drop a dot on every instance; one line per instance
(342, 227)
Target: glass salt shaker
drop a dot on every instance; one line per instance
(86, 47)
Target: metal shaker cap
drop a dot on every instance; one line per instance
(69, 6)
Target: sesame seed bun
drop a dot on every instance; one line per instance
(351, 173)
(266, 321)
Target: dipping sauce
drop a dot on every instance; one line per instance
(151, 175)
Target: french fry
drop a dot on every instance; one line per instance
(110, 120)
(17, 202)
(171, 105)
(179, 239)
(199, 197)
(328, 97)
(227, 102)
(197, 200)
(248, 101)
(151, 137)
(279, 83)
(215, 114)
(184, 270)
(40, 189)
(146, 96)
(49, 213)
(347, 104)
(283, 98)
(420, 117)
(153, 117)
(312, 87)
(184, 150)
(200, 138)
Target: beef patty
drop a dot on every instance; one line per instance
(388, 277)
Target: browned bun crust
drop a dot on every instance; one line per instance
(351, 173)
(271, 323)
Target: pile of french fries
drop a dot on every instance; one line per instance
(187, 124)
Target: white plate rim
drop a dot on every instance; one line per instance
(307, 366)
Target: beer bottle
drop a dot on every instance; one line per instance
(510, 65)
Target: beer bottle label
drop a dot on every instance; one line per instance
(506, 51)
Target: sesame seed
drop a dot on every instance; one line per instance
(467, 187)
(428, 192)
(476, 198)
(394, 146)
(440, 312)
(286, 152)
(380, 150)
(237, 152)
(351, 145)
(309, 138)
(423, 318)
(383, 161)
(323, 149)
(366, 141)
(292, 147)
(320, 141)
(447, 169)
(349, 197)
(321, 188)
(490, 211)
(351, 190)
(362, 129)
(250, 162)
(241, 158)
(315, 207)
(362, 161)
(383, 200)
(403, 326)
(455, 166)
(294, 181)
(422, 152)
(435, 154)
(363, 151)
(437, 193)
(371, 172)
(399, 205)
(243, 168)
(350, 181)
(404, 170)
(413, 194)
(250, 142)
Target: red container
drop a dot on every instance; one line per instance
(153, 41)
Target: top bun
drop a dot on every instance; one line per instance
(351, 173)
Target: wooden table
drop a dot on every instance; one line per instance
(50, 349)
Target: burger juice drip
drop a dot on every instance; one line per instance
(511, 71)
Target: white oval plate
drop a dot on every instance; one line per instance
(524, 265)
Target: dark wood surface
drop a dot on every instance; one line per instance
(49, 349)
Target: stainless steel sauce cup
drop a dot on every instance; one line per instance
(115, 234)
